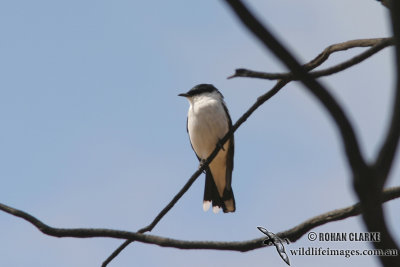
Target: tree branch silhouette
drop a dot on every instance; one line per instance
(292, 234)
(377, 45)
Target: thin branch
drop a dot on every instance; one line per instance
(292, 234)
(377, 45)
(116, 252)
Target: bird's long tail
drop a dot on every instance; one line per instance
(211, 196)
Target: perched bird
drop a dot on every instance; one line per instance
(207, 123)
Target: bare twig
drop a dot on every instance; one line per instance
(292, 234)
(377, 45)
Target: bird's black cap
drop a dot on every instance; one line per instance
(200, 89)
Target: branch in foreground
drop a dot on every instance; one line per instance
(292, 234)
(377, 45)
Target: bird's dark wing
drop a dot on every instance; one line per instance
(231, 152)
(228, 197)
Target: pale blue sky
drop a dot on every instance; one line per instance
(93, 133)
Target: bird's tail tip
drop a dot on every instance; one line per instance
(229, 205)
(206, 205)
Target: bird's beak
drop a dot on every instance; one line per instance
(184, 95)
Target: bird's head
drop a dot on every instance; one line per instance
(201, 91)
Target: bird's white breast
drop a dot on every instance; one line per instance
(207, 124)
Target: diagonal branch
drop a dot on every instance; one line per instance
(292, 234)
(377, 45)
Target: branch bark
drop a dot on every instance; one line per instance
(292, 234)
(377, 45)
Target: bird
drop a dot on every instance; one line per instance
(208, 121)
